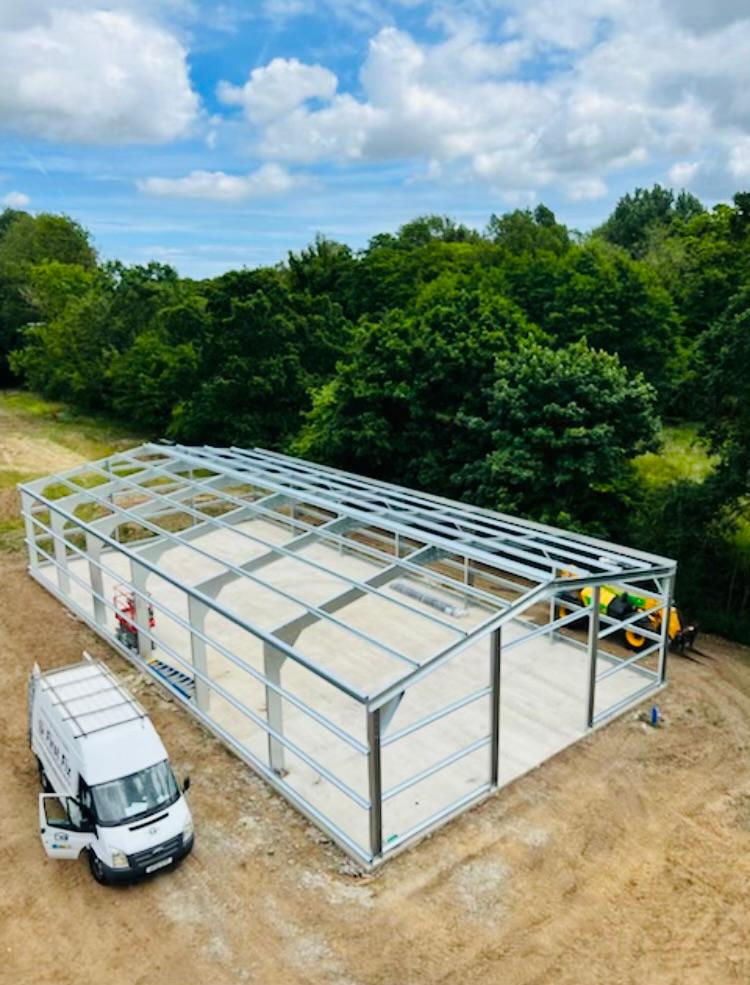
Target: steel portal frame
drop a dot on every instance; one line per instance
(156, 498)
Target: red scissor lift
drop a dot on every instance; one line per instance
(126, 629)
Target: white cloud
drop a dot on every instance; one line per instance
(15, 200)
(571, 25)
(94, 76)
(278, 88)
(700, 16)
(585, 189)
(739, 159)
(683, 173)
(268, 180)
(609, 87)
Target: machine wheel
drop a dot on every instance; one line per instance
(633, 639)
(561, 610)
(96, 868)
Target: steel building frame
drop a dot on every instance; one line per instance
(166, 496)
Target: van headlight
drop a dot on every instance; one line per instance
(119, 859)
(187, 831)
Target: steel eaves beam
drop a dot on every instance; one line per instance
(190, 590)
(144, 522)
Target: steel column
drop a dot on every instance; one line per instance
(593, 651)
(197, 612)
(273, 661)
(495, 673)
(27, 504)
(57, 523)
(94, 551)
(138, 577)
(376, 783)
(664, 650)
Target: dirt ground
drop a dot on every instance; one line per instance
(625, 859)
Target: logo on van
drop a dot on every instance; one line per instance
(57, 751)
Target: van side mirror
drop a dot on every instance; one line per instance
(186, 784)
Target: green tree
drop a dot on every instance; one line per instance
(263, 349)
(524, 231)
(85, 322)
(391, 410)
(636, 215)
(557, 435)
(725, 374)
(617, 304)
(26, 241)
(426, 229)
(324, 268)
(66, 355)
(152, 378)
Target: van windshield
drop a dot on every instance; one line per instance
(134, 796)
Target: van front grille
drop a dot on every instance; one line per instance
(150, 855)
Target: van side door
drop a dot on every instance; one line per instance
(64, 828)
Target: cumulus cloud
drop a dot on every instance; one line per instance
(266, 181)
(279, 88)
(739, 159)
(560, 95)
(682, 173)
(700, 16)
(74, 74)
(15, 200)
(585, 189)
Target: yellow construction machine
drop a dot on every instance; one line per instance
(619, 604)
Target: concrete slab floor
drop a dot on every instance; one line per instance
(543, 683)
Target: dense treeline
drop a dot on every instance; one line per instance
(523, 368)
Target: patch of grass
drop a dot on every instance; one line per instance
(10, 478)
(88, 480)
(682, 456)
(57, 490)
(12, 535)
(89, 435)
(88, 512)
(39, 437)
(159, 480)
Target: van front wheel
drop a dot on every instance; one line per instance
(96, 868)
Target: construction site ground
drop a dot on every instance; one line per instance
(625, 859)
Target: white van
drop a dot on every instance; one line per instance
(109, 788)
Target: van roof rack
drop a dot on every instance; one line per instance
(89, 691)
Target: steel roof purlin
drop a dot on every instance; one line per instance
(468, 527)
(162, 480)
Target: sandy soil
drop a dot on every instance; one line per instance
(625, 859)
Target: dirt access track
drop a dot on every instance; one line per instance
(625, 859)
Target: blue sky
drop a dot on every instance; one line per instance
(216, 135)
